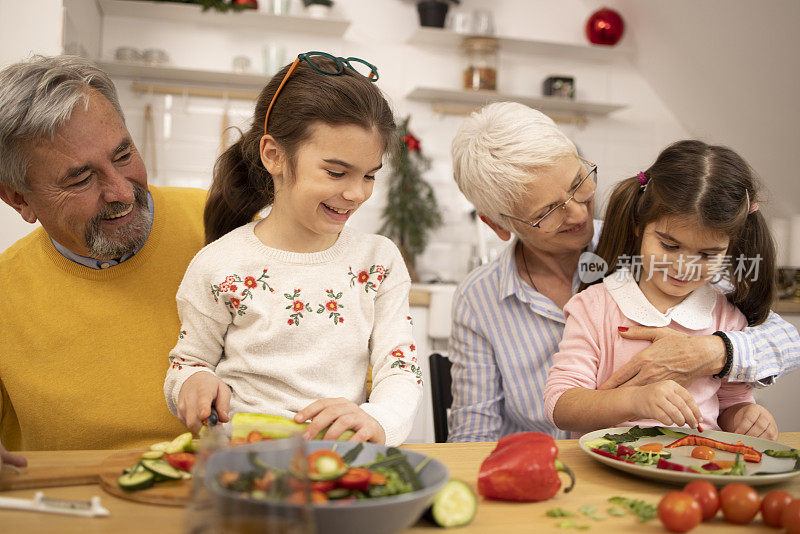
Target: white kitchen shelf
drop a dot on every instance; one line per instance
(176, 74)
(460, 102)
(441, 38)
(192, 13)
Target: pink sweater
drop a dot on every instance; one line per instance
(592, 349)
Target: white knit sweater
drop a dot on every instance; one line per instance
(284, 329)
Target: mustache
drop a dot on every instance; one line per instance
(112, 209)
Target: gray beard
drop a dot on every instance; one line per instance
(121, 241)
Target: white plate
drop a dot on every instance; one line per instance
(682, 455)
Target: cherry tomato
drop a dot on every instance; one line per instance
(739, 503)
(790, 518)
(651, 447)
(323, 486)
(377, 479)
(356, 478)
(706, 495)
(181, 460)
(679, 511)
(702, 452)
(772, 507)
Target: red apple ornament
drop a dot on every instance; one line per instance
(605, 27)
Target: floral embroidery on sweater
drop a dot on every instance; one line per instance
(365, 277)
(404, 365)
(182, 334)
(248, 283)
(178, 363)
(332, 306)
(297, 306)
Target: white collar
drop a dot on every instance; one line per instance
(694, 312)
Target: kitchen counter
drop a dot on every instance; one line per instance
(595, 483)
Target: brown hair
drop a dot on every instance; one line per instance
(242, 186)
(711, 184)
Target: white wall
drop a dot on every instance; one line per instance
(188, 129)
(30, 27)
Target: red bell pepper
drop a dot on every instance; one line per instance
(523, 467)
(748, 453)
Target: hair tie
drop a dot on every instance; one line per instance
(751, 208)
(642, 180)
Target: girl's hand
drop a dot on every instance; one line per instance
(340, 414)
(198, 393)
(666, 401)
(749, 419)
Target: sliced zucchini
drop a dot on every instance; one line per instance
(162, 446)
(179, 444)
(162, 469)
(152, 455)
(454, 505)
(136, 480)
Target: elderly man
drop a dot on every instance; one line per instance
(526, 181)
(88, 311)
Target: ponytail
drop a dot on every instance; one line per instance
(241, 188)
(753, 294)
(619, 236)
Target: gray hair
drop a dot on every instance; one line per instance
(37, 97)
(498, 151)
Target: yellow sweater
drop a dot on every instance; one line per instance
(83, 352)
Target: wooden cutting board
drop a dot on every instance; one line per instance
(171, 493)
(47, 475)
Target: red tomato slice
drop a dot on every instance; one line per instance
(181, 460)
(356, 478)
(377, 479)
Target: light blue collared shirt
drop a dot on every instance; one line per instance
(504, 336)
(94, 263)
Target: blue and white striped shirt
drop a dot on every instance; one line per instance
(505, 334)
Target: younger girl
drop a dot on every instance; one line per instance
(284, 315)
(669, 231)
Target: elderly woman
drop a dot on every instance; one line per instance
(527, 181)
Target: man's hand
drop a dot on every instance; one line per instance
(340, 414)
(198, 393)
(11, 458)
(672, 356)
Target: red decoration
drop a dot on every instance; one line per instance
(252, 4)
(412, 143)
(605, 27)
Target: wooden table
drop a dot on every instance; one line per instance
(595, 484)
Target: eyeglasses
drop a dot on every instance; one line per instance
(315, 61)
(581, 193)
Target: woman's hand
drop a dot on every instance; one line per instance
(340, 414)
(749, 419)
(667, 401)
(198, 393)
(11, 458)
(672, 356)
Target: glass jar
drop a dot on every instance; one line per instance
(480, 72)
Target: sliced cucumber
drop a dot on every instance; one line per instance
(162, 446)
(179, 444)
(454, 505)
(152, 455)
(136, 480)
(162, 469)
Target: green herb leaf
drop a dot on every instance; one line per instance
(616, 511)
(644, 511)
(633, 434)
(558, 512)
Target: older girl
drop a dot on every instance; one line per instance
(284, 315)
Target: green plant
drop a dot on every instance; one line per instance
(411, 210)
(328, 3)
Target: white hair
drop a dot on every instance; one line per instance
(499, 150)
(37, 96)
